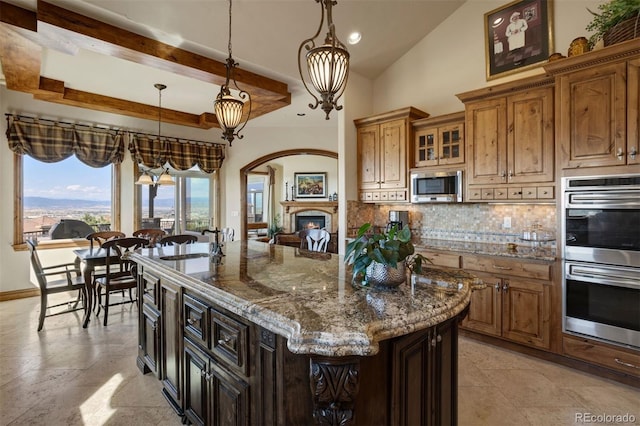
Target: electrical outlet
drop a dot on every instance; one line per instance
(506, 224)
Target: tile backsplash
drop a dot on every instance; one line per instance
(459, 222)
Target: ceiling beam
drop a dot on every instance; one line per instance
(21, 52)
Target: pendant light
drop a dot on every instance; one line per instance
(327, 65)
(165, 177)
(229, 110)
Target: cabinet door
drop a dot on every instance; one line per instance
(170, 339)
(230, 398)
(633, 110)
(530, 146)
(368, 157)
(196, 395)
(149, 351)
(445, 368)
(592, 127)
(526, 312)
(426, 141)
(451, 140)
(393, 154)
(486, 134)
(485, 308)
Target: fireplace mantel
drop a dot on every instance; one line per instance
(293, 207)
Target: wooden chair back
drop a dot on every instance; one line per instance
(153, 235)
(178, 239)
(119, 247)
(227, 234)
(100, 237)
(314, 239)
(72, 280)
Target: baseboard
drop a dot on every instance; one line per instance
(19, 294)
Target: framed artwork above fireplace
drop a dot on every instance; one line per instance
(311, 185)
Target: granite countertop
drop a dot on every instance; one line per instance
(308, 297)
(523, 250)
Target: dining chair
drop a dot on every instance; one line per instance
(314, 239)
(73, 281)
(152, 235)
(227, 234)
(100, 237)
(119, 275)
(178, 239)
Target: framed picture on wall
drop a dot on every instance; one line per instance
(518, 36)
(311, 185)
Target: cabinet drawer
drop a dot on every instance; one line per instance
(195, 319)
(150, 285)
(516, 268)
(487, 193)
(601, 354)
(401, 195)
(384, 196)
(515, 193)
(530, 193)
(230, 341)
(545, 192)
(447, 260)
(475, 194)
(500, 193)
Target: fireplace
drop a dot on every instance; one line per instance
(308, 222)
(295, 210)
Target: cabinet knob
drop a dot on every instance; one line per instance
(191, 321)
(620, 154)
(632, 153)
(510, 174)
(505, 287)
(497, 286)
(502, 174)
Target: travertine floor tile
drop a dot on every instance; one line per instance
(66, 376)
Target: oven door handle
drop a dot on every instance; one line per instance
(605, 276)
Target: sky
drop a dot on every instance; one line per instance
(72, 179)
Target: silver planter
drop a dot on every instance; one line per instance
(383, 275)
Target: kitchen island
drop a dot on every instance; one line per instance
(270, 334)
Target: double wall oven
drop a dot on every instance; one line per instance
(601, 244)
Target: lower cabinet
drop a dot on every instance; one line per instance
(213, 396)
(148, 323)
(170, 344)
(511, 306)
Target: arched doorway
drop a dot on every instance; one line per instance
(244, 172)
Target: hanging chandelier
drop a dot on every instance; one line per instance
(165, 177)
(229, 110)
(327, 65)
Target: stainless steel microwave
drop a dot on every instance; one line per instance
(436, 187)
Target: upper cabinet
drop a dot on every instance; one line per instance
(510, 141)
(439, 141)
(597, 104)
(385, 154)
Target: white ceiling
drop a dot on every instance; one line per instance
(266, 35)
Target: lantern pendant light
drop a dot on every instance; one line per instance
(164, 178)
(327, 65)
(229, 110)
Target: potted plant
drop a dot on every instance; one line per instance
(619, 16)
(274, 228)
(382, 257)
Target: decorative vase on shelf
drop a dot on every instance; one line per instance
(379, 274)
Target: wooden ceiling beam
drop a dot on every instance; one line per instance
(24, 33)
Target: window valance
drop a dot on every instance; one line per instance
(180, 154)
(53, 142)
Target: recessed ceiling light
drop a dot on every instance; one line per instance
(354, 38)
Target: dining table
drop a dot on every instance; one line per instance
(91, 258)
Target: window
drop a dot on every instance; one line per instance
(64, 200)
(183, 207)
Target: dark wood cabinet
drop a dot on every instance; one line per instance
(148, 323)
(430, 354)
(171, 344)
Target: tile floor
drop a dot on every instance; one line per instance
(66, 375)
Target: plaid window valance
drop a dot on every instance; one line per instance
(53, 142)
(180, 154)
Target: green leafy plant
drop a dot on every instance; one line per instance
(611, 14)
(274, 227)
(388, 248)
